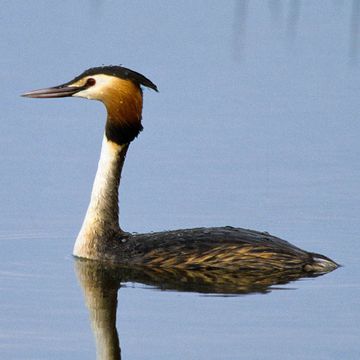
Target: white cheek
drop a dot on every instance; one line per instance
(96, 91)
(87, 94)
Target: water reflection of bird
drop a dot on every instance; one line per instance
(100, 283)
(101, 238)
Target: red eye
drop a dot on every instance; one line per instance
(90, 82)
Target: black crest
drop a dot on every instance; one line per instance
(120, 72)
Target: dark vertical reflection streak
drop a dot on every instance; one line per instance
(241, 13)
(276, 10)
(96, 12)
(339, 4)
(293, 21)
(354, 33)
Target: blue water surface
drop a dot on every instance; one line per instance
(256, 125)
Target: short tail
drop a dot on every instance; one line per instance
(320, 264)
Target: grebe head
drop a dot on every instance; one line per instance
(117, 87)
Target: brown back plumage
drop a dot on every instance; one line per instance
(228, 248)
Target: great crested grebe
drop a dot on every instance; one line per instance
(101, 238)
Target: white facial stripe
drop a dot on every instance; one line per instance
(96, 91)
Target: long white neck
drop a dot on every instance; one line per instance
(102, 217)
